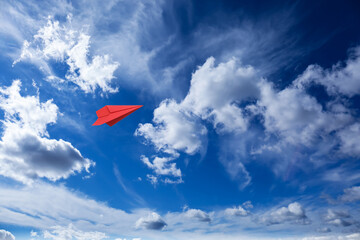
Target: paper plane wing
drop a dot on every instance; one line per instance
(111, 114)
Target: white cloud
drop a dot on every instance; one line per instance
(5, 235)
(43, 206)
(297, 116)
(47, 207)
(197, 214)
(342, 174)
(232, 161)
(19, 21)
(337, 80)
(230, 95)
(152, 179)
(293, 213)
(63, 44)
(33, 234)
(351, 194)
(213, 96)
(338, 218)
(237, 211)
(125, 239)
(350, 138)
(174, 129)
(161, 166)
(26, 152)
(215, 92)
(153, 222)
(70, 232)
(352, 236)
(124, 30)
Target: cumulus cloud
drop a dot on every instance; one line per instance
(153, 222)
(294, 213)
(215, 92)
(230, 95)
(70, 232)
(174, 129)
(297, 116)
(197, 214)
(5, 235)
(161, 166)
(26, 151)
(351, 194)
(62, 44)
(350, 137)
(338, 218)
(237, 211)
(339, 79)
(214, 95)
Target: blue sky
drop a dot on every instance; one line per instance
(249, 127)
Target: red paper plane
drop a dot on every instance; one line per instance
(111, 114)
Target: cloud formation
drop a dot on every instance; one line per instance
(351, 194)
(153, 222)
(43, 206)
(197, 214)
(214, 95)
(339, 79)
(294, 213)
(62, 212)
(338, 218)
(161, 166)
(352, 236)
(234, 99)
(26, 151)
(63, 44)
(70, 232)
(238, 211)
(5, 235)
(297, 116)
